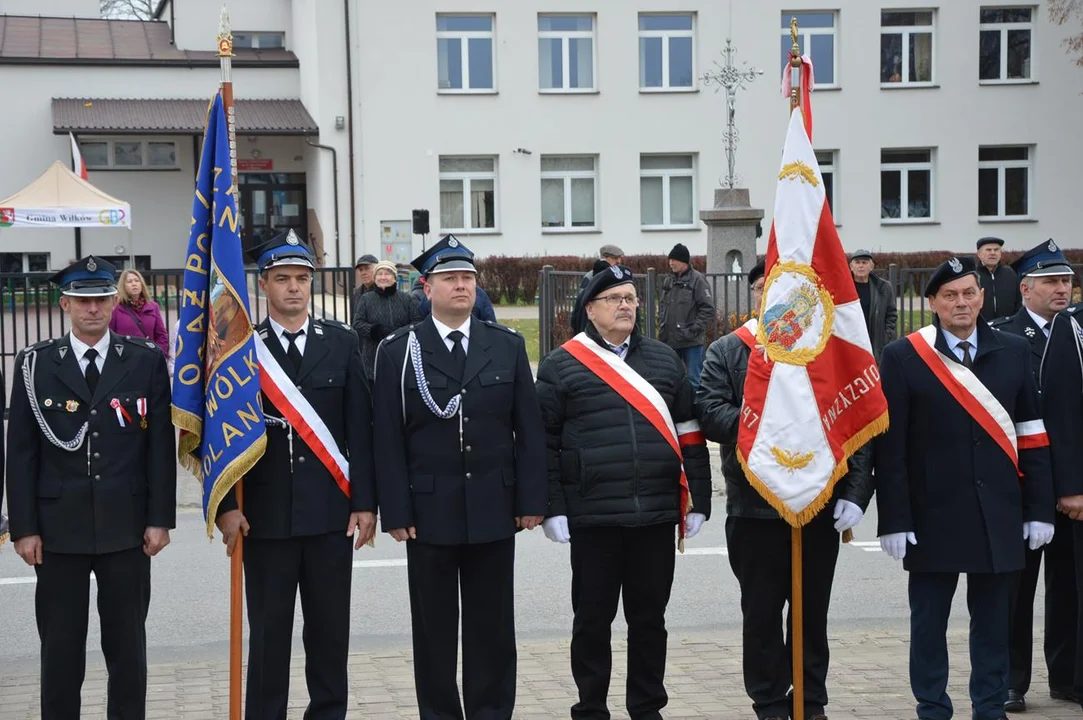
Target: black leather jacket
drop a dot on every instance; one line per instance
(718, 405)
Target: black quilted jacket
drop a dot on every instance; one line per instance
(607, 464)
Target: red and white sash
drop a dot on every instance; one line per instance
(747, 332)
(642, 396)
(976, 399)
(298, 412)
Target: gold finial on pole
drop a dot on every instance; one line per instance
(795, 66)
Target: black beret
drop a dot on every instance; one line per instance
(756, 272)
(610, 277)
(990, 241)
(953, 269)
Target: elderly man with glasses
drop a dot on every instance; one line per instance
(627, 466)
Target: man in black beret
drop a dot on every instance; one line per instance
(1000, 283)
(759, 540)
(617, 488)
(686, 311)
(962, 475)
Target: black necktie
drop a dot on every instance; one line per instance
(458, 354)
(968, 362)
(92, 372)
(292, 351)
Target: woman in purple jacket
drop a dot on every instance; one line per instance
(136, 314)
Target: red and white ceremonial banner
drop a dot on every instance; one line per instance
(812, 394)
(77, 165)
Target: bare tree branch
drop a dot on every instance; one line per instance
(128, 9)
(1060, 12)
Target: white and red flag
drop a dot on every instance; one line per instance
(77, 165)
(812, 394)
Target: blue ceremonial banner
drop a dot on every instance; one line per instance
(216, 383)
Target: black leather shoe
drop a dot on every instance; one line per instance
(1063, 695)
(1017, 702)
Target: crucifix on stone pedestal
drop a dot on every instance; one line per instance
(733, 224)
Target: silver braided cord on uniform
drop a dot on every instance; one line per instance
(414, 351)
(30, 364)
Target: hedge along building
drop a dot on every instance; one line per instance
(530, 130)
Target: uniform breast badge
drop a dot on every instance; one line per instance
(70, 405)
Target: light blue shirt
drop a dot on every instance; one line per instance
(953, 344)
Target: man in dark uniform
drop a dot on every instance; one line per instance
(1062, 378)
(304, 500)
(462, 469)
(92, 487)
(1046, 285)
(961, 475)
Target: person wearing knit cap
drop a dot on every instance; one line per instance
(759, 539)
(615, 488)
(381, 312)
(877, 298)
(1000, 282)
(686, 311)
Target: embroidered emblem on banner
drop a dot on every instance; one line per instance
(792, 460)
(798, 170)
(796, 328)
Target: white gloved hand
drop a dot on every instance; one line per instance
(556, 528)
(692, 523)
(1039, 533)
(847, 515)
(894, 544)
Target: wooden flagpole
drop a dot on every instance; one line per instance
(236, 574)
(797, 618)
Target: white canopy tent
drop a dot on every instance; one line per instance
(60, 198)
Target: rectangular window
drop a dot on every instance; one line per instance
(1005, 44)
(906, 47)
(667, 191)
(259, 40)
(467, 194)
(568, 192)
(23, 263)
(1004, 175)
(816, 37)
(906, 186)
(829, 170)
(465, 53)
(566, 53)
(666, 57)
(129, 154)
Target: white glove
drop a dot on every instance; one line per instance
(556, 528)
(1039, 533)
(894, 544)
(692, 523)
(847, 514)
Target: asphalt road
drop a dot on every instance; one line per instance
(189, 612)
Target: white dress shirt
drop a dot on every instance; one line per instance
(444, 331)
(79, 348)
(278, 331)
(1039, 321)
(953, 344)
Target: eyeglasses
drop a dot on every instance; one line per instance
(616, 300)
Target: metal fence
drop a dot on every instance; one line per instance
(30, 306)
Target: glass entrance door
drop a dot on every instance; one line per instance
(272, 203)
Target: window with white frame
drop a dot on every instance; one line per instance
(566, 53)
(1004, 175)
(259, 40)
(906, 185)
(816, 37)
(1005, 44)
(467, 194)
(667, 191)
(906, 47)
(828, 169)
(666, 56)
(16, 262)
(128, 154)
(569, 192)
(465, 53)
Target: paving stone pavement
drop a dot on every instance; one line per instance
(868, 681)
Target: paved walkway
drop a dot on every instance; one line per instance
(868, 682)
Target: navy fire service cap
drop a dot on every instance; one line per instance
(89, 277)
(1045, 260)
(283, 249)
(447, 255)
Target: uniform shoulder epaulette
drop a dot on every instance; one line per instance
(1001, 321)
(140, 342)
(498, 326)
(335, 324)
(39, 345)
(1073, 309)
(400, 333)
